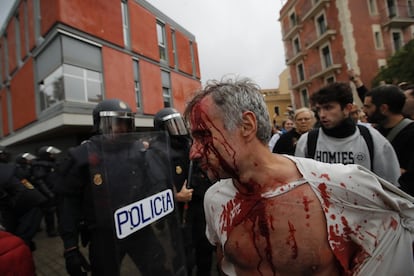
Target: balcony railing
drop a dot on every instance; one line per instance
(399, 16)
(312, 41)
(295, 58)
(310, 9)
(293, 30)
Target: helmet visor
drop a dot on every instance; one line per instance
(112, 122)
(175, 125)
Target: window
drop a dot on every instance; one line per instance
(321, 24)
(193, 65)
(161, 41)
(326, 57)
(410, 4)
(26, 26)
(125, 23)
(377, 37)
(293, 19)
(70, 83)
(382, 63)
(69, 70)
(392, 9)
(378, 40)
(296, 45)
(397, 40)
(37, 19)
(166, 88)
(174, 45)
(17, 37)
(301, 72)
(304, 97)
(372, 7)
(138, 94)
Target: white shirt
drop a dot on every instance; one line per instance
(380, 217)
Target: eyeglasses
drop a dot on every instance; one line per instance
(303, 119)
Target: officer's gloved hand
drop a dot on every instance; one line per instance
(76, 263)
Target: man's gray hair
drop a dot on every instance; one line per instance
(232, 98)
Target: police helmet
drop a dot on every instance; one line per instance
(170, 120)
(4, 155)
(113, 116)
(25, 158)
(48, 153)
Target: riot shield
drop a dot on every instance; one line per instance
(137, 229)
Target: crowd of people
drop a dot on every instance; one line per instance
(217, 179)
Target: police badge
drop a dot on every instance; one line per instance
(97, 179)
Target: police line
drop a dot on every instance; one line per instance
(137, 215)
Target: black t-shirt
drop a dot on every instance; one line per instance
(403, 145)
(287, 143)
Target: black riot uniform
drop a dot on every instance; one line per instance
(197, 248)
(103, 175)
(45, 174)
(20, 202)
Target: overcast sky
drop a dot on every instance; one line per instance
(236, 37)
(240, 37)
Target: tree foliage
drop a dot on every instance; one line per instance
(400, 67)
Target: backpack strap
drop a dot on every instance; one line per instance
(311, 143)
(369, 141)
(313, 138)
(395, 130)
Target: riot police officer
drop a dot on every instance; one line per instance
(190, 184)
(19, 201)
(105, 188)
(45, 174)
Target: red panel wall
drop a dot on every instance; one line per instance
(22, 30)
(118, 76)
(4, 117)
(23, 96)
(100, 18)
(183, 90)
(184, 54)
(11, 45)
(143, 31)
(151, 87)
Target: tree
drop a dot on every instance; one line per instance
(399, 67)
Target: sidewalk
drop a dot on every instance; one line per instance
(49, 261)
(48, 255)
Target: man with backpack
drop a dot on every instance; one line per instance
(340, 140)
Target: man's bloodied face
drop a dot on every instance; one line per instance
(214, 147)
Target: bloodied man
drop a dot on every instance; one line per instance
(271, 214)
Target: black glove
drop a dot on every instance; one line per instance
(76, 263)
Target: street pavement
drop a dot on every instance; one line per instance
(49, 261)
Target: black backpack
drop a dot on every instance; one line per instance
(313, 137)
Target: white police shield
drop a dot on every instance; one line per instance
(137, 230)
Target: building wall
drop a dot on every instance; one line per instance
(23, 96)
(118, 79)
(350, 38)
(143, 25)
(97, 23)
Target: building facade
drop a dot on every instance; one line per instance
(323, 38)
(59, 58)
(278, 101)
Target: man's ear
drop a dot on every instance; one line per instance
(347, 108)
(383, 108)
(249, 124)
